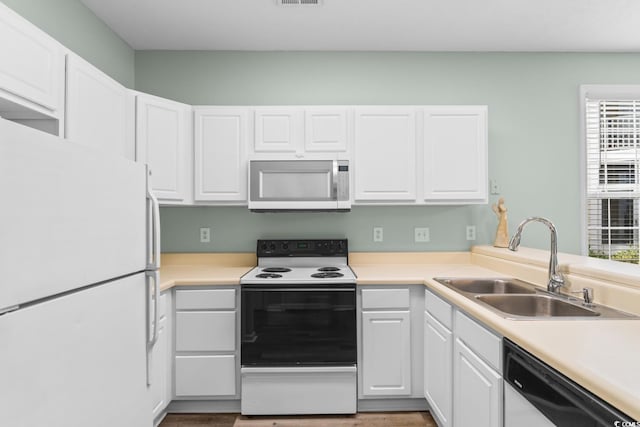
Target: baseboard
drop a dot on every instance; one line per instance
(233, 406)
(204, 406)
(377, 405)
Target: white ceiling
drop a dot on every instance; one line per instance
(376, 25)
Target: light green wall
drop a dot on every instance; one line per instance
(75, 26)
(533, 134)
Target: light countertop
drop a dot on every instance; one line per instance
(601, 355)
(204, 269)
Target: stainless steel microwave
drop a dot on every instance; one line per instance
(298, 185)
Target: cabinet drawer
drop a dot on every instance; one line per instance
(206, 331)
(438, 308)
(205, 375)
(385, 298)
(206, 299)
(484, 343)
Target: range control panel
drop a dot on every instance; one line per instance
(302, 248)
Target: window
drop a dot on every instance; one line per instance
(612, 159)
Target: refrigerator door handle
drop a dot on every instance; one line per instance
(153, 245)
(153, 315)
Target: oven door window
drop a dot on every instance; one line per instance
(298, 326)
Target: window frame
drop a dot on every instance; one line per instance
(595, 91)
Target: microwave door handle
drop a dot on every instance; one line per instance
(334, 181)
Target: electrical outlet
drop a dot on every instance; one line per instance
(205, 235)
(494, 187)
(421, 235)
(471, 232)
(377, 234)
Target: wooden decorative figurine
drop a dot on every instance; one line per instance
(502, 233)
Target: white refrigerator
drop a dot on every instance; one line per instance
(79, 253)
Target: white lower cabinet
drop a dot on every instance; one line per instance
(462, 367)
(390, 342)
(206, 331)
(206, 375)
(160, 387)
(206, 361)
(477, 396)
(386, 353)
(438, 372)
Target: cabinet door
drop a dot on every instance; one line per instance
(32, 65)
(220, 154)
(477, 395)
(96, 109)
(277, 130)
(438, 369)
(162, 136)
(455, 154)
(386, 353)
(205, 375)
(385, 154)
(158, 361)
(325, 130)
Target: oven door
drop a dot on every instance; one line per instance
(301, 325)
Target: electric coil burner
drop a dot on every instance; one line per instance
(299, 329)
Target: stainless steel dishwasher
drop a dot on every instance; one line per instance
(537, 395)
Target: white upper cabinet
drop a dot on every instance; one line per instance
(291, 132)
(325, 130)
(455, 154)
(220, 146)
(99, 110)
(31, 69)
(385, 154)
(277, 129)
(163, 136)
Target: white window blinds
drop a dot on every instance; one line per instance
(613, 190)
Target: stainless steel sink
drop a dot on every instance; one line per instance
(536, 306)
(518, 300)
(487, 286)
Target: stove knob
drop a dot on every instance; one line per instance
(285, 246)
(263, 246)
(272, 246)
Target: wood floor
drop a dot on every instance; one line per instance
(365, 419)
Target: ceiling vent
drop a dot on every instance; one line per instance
(299, 2)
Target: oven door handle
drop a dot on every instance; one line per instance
(262, 289)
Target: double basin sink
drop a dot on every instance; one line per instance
(518, 300)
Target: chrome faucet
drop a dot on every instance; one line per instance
(556, 281)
